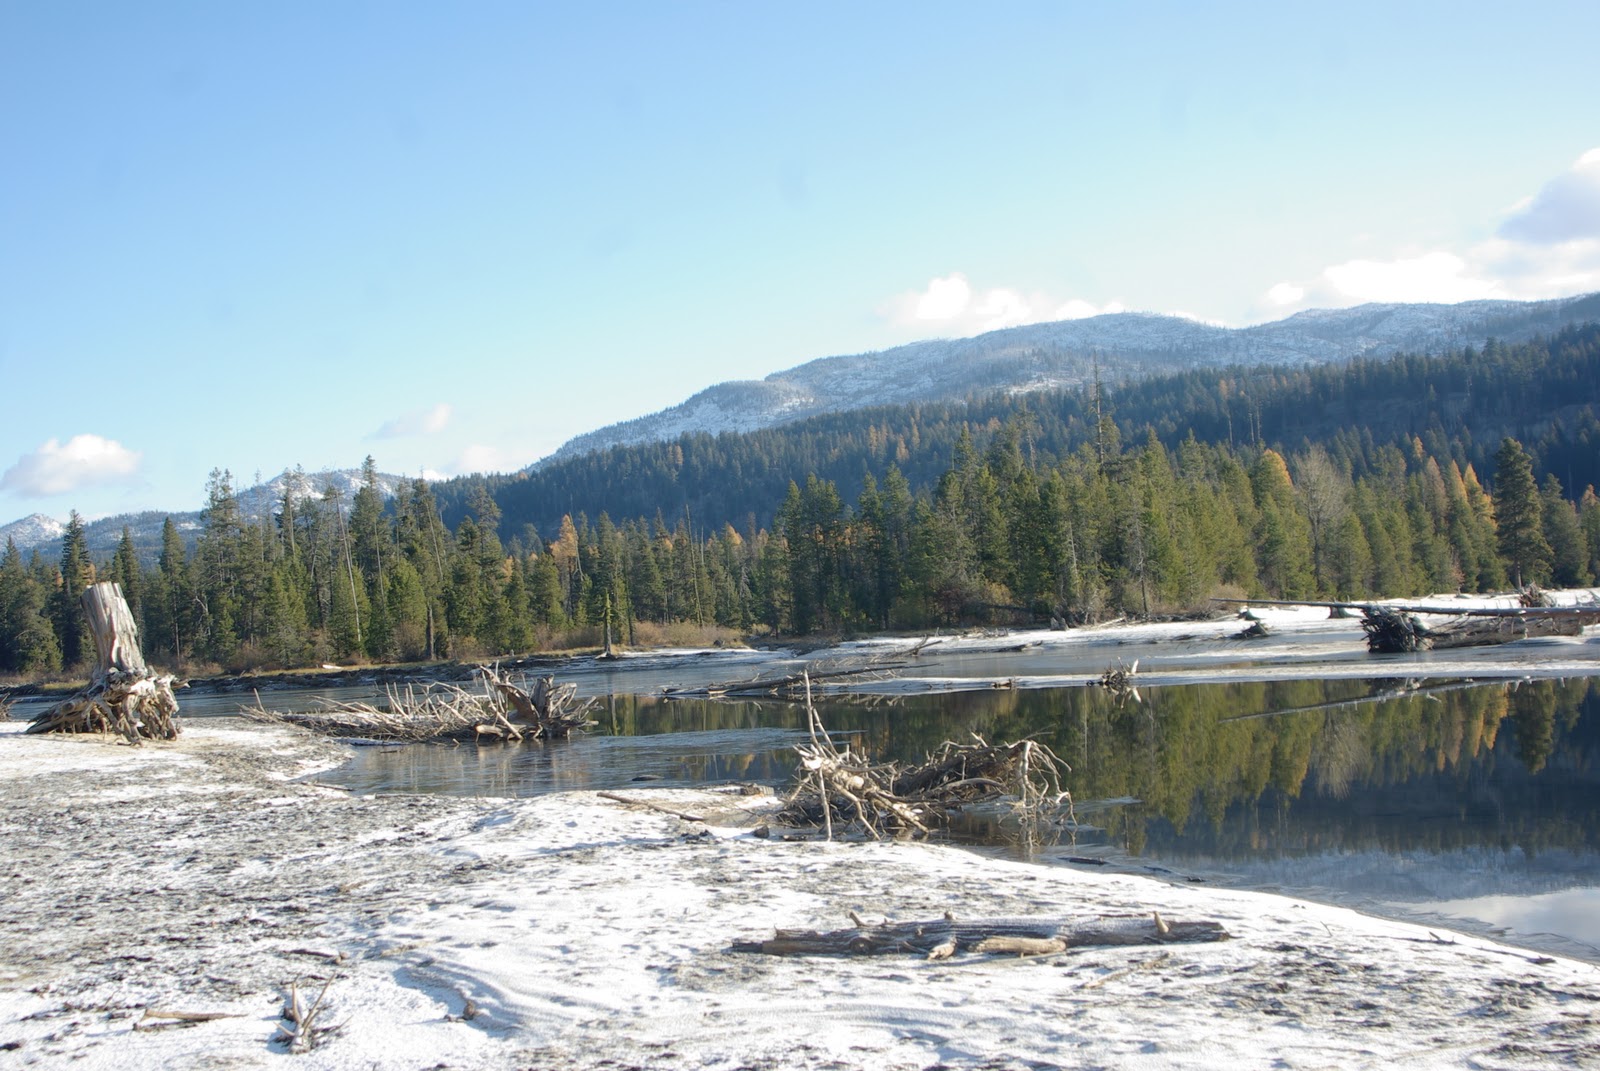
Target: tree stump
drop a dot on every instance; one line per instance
(123, 696)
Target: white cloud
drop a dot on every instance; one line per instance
(1548, 247)
(1079, 309)
(944, 299)
(416, 422)
(485, 457)
(1432, 277)
(952, 306)
(1286, 294)
(56, 468)
(1566, 209)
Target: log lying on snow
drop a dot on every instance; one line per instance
(124, 696)
(942, 938)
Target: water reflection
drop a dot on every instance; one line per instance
(1345, 789)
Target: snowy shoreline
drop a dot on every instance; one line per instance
(198, 878)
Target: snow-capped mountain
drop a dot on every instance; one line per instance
(145, 528)
(1064, 354)
(32, 530)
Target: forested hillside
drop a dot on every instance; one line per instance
(1422, 474)
(1460, 405)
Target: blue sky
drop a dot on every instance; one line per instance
(250, 235)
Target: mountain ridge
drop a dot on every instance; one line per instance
(145, 526)
(1067, 353)
(1016, 360)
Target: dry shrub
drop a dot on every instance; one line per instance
(684, 634)
(1230, 592)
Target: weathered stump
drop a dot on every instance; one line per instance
(123, 695)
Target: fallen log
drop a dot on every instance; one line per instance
(942, 938)
(124, 696)
(795, 685)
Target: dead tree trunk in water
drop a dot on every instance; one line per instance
(123, 696)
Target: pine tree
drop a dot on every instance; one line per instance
(1519, 516)
(1563, 531)
(27, 640)
(1589, 513)
(66, 610)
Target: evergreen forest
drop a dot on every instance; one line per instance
(1469, 471)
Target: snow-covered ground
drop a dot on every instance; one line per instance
(195, 877)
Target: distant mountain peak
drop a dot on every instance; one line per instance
(31, 531)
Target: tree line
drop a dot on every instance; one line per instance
(1007, 534)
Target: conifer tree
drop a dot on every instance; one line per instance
(76, 574)
(1519, 516)
(27, 641)
(1569, 551)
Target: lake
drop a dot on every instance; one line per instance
(1474, 804)
(1461, 787)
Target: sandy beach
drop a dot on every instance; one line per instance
(571, 931)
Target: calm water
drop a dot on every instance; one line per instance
(1474, 804)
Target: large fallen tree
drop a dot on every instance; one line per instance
(1392, 630)
(796, 685)
(124, 695)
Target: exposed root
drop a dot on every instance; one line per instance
(135, 706)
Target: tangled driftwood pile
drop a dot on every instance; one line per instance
(124, 696)
(943, 938)
(1118, 680)
(502, 711)
(845, 789)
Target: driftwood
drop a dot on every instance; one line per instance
(1118, 680)
(300, 1030)
(503, 711)
(942, 938)
(124, 696)
(844, 787)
